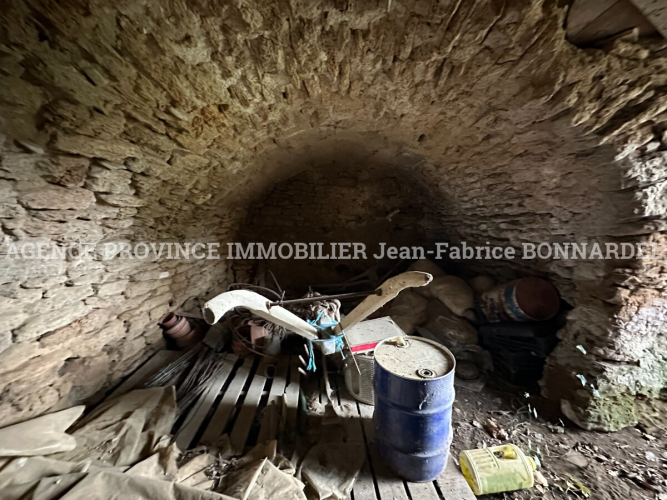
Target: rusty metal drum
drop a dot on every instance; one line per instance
(526, 299)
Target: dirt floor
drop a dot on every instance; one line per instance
(629, 464)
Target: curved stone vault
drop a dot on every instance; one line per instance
(148, 120)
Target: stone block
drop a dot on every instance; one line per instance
(11, 318)
(112, 288)
(122, 200)
(146, 275)
(55, 215)
(94, 277)
(57, 298)
(57, 198)
(18, 292)
(19, 167)
(86, 376)
(26, 400)
(17, 91)
(83, 271)
(133, 347)
(154, 336)
(117, 223)
(160, 145)
(140, 288)
(107, 149)
(35, 368)
(73, 231)
(145, 306)
(43, 323)
(92, 322)
(68, 171)
(93, 342)
(17, 354)
(104, 180)
(156, 313)
(13, 270)
(114, 301)
(5, 340)
(44, 283)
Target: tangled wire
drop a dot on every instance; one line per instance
(240, 318)
(321, 314)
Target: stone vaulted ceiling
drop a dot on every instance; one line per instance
(164, 120)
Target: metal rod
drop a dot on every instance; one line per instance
(323, 297)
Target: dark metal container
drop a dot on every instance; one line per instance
(414, 393)
(526, 299)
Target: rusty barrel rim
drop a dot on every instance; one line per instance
(535, 299)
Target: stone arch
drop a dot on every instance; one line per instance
(153, 121)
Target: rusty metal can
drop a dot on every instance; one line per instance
(526, 299)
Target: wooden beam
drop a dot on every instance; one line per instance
(389, 486)
(591, 21)
(364, 487)
(227, 404)
(270, 422)
(453, 485)
(584, 12)
(159, 360)
(656, 12)
(198, 413)
(239, 434)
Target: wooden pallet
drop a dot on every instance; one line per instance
(254, 400)
(377, 482)
(251, 400)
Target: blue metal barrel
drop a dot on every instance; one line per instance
(414, 393)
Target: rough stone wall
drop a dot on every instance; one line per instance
(153, 120)
(346, 194)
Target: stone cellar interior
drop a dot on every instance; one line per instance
(403, 123)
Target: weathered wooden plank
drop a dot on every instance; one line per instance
(656, 12)
(158, 361)
(364, 487)
(198, 413)
(389, 486)
(219, 420)
(290, 408)
(584, 12)
(422, 491)
(269, 426)
(239, 433)
(611, 20)
(453, 485)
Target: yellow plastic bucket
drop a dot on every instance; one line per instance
(497, 469)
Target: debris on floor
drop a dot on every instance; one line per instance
(233, 403)
(123, 431)
(495, 430)
(40, 436)
(263, 474)
(264, 481)
(121, 449)
(331, 469)
(497, 469)
(185, 331)
(190, 374)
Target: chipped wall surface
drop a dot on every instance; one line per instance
(165, 121)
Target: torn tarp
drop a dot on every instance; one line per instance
(107, 485)
(125, 430)
(331, 469)
(43, 435)
(264, 481)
